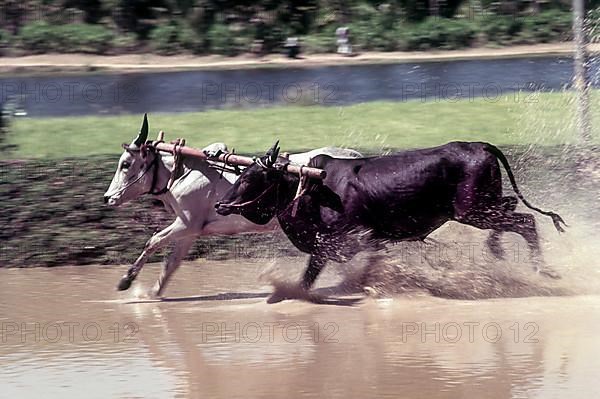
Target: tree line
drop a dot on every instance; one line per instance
(232, 26)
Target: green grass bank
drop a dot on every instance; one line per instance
(514, 119)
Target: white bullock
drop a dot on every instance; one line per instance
(191, 199)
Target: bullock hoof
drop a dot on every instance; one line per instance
(290, 291)
(124, 284)
(276, 297)
(155, 292)
(497, 251)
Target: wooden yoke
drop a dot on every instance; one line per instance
(232, 159)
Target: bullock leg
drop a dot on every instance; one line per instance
(374, 261)
(509, 204)
(520, 223)
(181, 249)
(494, 245)
(315, 265)
(524, 225)
(479, 203)
(174, 231)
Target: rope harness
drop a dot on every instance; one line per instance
(302, 187)
(137, 179)
(177, 162)
(155, 177)
(154, 165)
(299, 192)
(252, 201)
(226, 167)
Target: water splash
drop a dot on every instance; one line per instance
(555, 171)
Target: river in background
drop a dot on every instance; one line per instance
(189, 91)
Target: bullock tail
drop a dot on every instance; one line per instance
(556, 219)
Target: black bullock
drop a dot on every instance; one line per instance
(364, 202)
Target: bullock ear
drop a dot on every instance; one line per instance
(329, 199)
(128, 148)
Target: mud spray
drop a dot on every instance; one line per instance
(455, 262)
(555, 171)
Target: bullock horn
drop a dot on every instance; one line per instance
(143, 135)
(273, 153)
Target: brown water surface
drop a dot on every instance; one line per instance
(91, 341)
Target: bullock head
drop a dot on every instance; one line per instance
(263, 190)
(131, 179)
(259, 191)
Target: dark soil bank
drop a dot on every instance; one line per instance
(53, 213)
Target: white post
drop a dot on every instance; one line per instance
(581, 77)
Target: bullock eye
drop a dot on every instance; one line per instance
(125, 165)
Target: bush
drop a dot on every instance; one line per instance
(124, 43)
(548, 26)
(552, 25)
(5, 40)
(173, 37)
(374, 28)
(368, 35)
(319, 43)
(84, 38)
(41, 37)
(501, 29)
(271, 35)
(37, 37)
(221, 40)
(442, 33)
(189, 39)
(164, 39)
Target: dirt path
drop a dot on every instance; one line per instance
(61, 63)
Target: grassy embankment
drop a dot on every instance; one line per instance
(519, 118)
(52, 209)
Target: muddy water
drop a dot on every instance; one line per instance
(67, 333)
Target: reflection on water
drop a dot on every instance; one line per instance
(112, 345)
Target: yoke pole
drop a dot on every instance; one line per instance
(240, 160)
